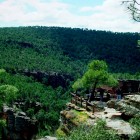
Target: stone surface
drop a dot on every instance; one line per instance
(70, 115)
(108, 113)
(70, 105)
(129, 106)
(19, 126)
(48, 138)
(122, 127)
(114, 121)
(113, 114)
(54, 79)
(111, 103)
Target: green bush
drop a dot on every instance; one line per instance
(135, 122)
(8, 93)
(60, 133)
(30, 112)
(97, 132)
(23, 88)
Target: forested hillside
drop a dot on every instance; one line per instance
(67, 50)
(55, 56)
(38, 101)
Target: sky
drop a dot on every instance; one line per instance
(109, 15)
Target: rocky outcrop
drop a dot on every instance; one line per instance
(74, 116)
(114, 121)
(54, 79)
(19, 126)
(51, 78)
(70, 118)
(111, 103)
(129, 106)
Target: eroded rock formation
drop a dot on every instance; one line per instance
(129, 106)
(19, 126)
(73, 116)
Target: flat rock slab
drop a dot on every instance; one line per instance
(108, 113)
(91, 115)
(48, 138)
(114, 121)
(120, 126)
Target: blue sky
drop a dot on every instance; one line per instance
(107, 15)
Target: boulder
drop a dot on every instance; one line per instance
(70, 115)
(111, 103)
(129, 106)
(70, 105)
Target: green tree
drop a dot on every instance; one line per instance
(77, 84)
(7, 93)
(96, 75)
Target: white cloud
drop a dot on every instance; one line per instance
(111, 15)
(12, 10)
(86, 9)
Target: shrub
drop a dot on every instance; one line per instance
(30, 112)
(97, 132)
(135, 122)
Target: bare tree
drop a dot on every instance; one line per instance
(134, 7)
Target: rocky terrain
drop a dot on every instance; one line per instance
(19, 126)
(116, 115)
(129, 106)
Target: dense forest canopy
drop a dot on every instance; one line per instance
(26, 89)
(67, 50)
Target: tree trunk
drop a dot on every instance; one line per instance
(92, 97)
